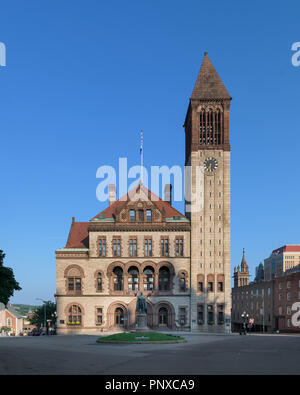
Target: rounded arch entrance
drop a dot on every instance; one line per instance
(118, 315)
(164, 315)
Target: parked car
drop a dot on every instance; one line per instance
(34, 332)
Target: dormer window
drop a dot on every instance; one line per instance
(141, 215)
(132, 215)
(149, 215)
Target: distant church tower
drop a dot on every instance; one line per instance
(207, 152)
(241, 273)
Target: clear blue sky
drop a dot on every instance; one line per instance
(83, 77)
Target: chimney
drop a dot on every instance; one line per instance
(111, 193)
(168, 193)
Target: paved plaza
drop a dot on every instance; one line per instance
(202, 354)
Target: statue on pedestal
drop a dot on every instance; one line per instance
(141, 313)
(141, 304)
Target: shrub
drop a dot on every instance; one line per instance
(5, 329)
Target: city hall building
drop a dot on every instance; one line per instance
(140, 243)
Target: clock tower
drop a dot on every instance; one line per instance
(207, 156)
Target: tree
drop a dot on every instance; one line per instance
(8, 284)
(38, 316)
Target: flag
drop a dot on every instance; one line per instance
(141, 149)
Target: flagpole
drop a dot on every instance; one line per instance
(141, 152)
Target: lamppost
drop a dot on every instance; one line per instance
(245, 316)
(263, 312)
(45, 319)
(262, 308)
(54, 318)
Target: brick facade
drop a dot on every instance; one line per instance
(287, 292)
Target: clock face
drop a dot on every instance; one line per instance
(210, 164)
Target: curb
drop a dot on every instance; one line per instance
(140, 342)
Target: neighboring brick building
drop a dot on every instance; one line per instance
(181, 262)
(27, 326)
(281, 259)
(274, 297)
(255, 299)
(287, 292)
(10, 318)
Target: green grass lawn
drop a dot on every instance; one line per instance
(139, 337)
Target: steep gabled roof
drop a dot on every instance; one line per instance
(13, 311)
(79, 235)
(110, 212)
(209, 85)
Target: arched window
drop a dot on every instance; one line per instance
(74, 280)
(133, 279)
(118, 278)
(148, 278)
(75, 315)
(99, 282)
(217, 115)
(164, 279)
(211, 128)
(119, 317)
(163, 316)
(182, 281)
(141, 215)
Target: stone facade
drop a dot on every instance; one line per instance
(186, 278)
(89, 298)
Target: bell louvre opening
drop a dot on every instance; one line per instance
(211, 127)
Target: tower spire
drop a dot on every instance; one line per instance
(209, 85)
(241, 273)
(244, 262)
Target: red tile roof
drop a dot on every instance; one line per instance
(170, 211)
(287, 248)
(79, 236)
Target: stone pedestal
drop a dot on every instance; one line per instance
(141, 323)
